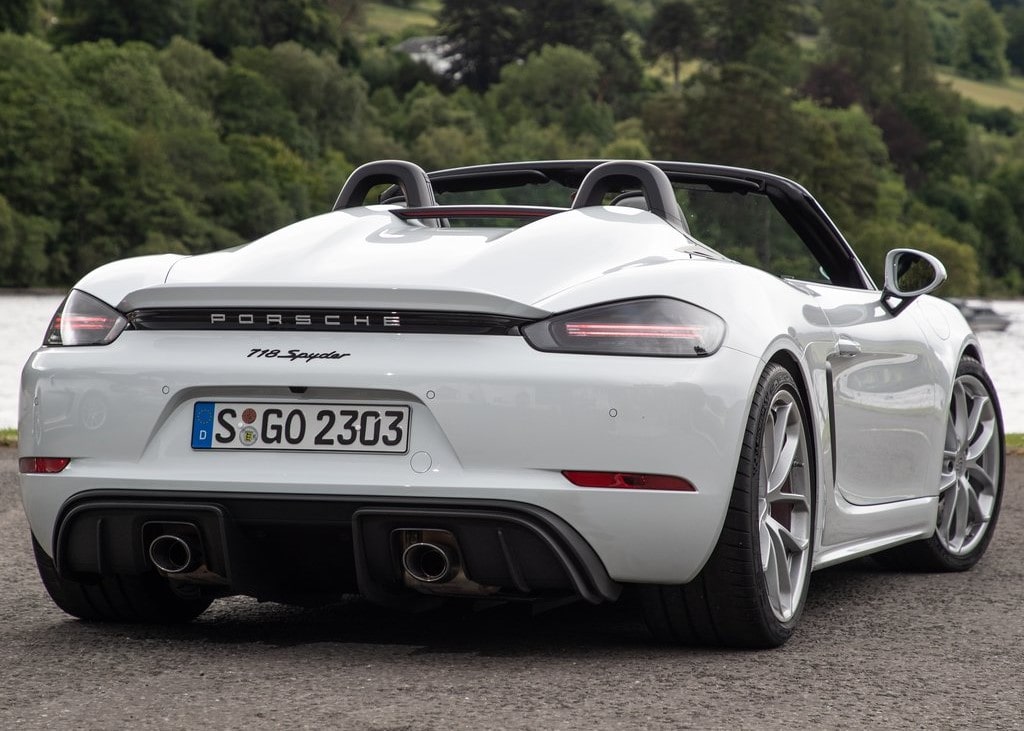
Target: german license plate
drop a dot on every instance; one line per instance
(310, 427)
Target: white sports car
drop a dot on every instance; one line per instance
(529, 381)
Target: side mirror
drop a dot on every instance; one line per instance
(908, 275)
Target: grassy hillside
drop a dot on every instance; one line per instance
(390, 20)
(1009, 93)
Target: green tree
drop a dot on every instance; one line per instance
(441, 147)
(151, 21)
(1004, 240)
(126, 80)
(998, 215)
(927, 133)
(19, 16)
(861, 38)
(981, 50)
(23, 244)
(714, 120)
(249, 104)
(192, 71)
(329, 102)
(674, 31)
(8, 240)
(630, 142)
(594, 26)
(915, 44)
(874, 48)
(557, 86)
(527, 140)
(483, 37)
(228, 24)
(845, 161)
(581, 24)
(736, 28)
(1013, 21)
(100, 157)
(269, 187)
(37, 96)
(443, 130)
(425, 107)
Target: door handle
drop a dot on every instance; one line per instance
(847, 347)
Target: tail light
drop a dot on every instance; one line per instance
(658, 326)
(82, 319)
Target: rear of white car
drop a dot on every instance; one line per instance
(382, 400)
(570, 472)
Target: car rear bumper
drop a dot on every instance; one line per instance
(492, 420)
(295, 548)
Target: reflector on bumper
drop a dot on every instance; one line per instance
(42, 465)
(628, 480)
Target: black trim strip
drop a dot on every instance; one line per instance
(256, 319)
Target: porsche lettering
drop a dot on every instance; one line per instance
(307, 320)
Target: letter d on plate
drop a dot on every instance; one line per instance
(202, 425)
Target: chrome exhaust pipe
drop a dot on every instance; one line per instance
(430, 563)
(173, 554)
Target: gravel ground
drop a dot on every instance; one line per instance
(874, 650)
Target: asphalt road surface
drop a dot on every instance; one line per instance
(875, 649)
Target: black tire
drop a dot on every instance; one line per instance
(980, 478)
(731, 603)
(145, 598)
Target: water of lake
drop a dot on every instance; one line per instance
(23, 319)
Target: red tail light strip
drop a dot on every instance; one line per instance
(628, 480)
(471, 211)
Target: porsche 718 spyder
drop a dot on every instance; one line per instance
(532, 381)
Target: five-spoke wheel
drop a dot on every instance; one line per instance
(970, 482)
(972, 462)
(784, 505)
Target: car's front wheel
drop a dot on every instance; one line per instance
(970, 482)
(119, 598)
(752, 590)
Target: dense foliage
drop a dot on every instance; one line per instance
(189, 125)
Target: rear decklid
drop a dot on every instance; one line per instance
(370, 258)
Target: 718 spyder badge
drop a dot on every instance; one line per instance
(295, 354)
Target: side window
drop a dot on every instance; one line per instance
(748, 228)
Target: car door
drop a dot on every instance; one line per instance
(887, 398)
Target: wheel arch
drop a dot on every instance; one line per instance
(971, 350)
(789, 361)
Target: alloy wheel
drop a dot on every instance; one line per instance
(784, 505)
(971, 464)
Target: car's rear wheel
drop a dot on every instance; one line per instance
(119, 598)
(971, 480)
(751, 592)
